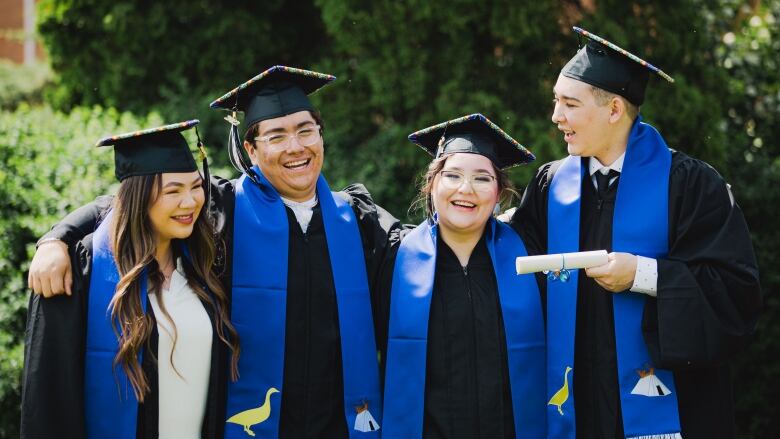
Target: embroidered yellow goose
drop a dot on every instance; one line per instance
(251, 417)
(562, 394)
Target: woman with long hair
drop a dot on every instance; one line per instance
(144, 346)
(464, 334)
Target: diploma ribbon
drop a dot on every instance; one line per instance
(562, 275)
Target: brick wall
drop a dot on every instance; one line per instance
(12, 32)
(11, 21)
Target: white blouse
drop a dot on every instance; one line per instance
(183, 384)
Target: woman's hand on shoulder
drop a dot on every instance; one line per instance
(506, 215)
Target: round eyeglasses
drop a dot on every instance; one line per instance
(479, 182)
(306, 136)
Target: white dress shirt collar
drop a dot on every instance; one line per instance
(595, 165)
(303, 210)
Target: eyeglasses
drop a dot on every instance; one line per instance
(479, 182)
(306, 136)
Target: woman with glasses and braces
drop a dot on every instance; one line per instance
(464, 334)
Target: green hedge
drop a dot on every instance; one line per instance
(49, 166)
(21, 83)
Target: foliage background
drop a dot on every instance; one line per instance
(402, 65)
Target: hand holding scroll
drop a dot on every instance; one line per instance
(617, 274)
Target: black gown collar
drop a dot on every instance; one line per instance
(448, 261)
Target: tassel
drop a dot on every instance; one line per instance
(234, 146)
(206, 174)
(235, 152)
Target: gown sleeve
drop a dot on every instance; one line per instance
(530, 218)
(53, 375)
(530, 221)
(79, 223)
(376, 225)
(709, 297)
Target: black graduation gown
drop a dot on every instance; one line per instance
(53, 376)
(467, 391)
(706, 308)
(313, 396)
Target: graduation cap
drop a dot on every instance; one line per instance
(152, 151)
(607, 66)
(276, 92)
(474, 134)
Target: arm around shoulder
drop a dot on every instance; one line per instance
(79, 223)
(50, 268)
(377, 226)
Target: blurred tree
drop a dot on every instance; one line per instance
(172, 56)
(133, 54)
(748, 52)
(22, 83)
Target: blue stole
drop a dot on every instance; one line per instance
(640, 226)
(259, 304)
(410, 305)
(110, 406)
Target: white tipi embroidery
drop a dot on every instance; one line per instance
(364, 422)
(650, 385)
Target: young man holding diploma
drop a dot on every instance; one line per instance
(637, 347)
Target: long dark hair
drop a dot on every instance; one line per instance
(506, 189)
(133, 244)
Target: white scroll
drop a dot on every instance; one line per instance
(556, 262)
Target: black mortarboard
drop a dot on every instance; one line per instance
(609, 67)
(474, 134)
(276, 92)
(152, 151)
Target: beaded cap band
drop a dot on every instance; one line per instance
(225, 101)
(181, 126)
(624, 52)
(421, 138)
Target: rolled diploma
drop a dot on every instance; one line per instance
(533, 264)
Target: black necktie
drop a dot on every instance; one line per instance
(602, 181)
